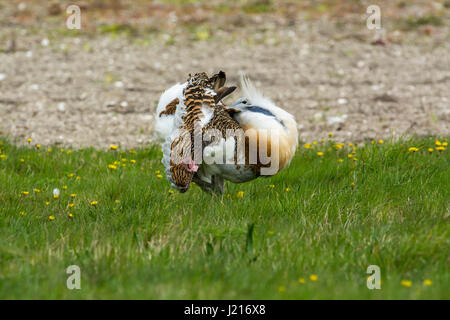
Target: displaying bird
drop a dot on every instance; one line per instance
(260, 124)
(197, 108)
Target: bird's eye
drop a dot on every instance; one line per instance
(244, 101)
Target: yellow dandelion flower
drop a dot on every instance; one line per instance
(49, 150)
(3, 156)
(380, 141)
(340, 160)
(301, 280)
(94, 203)
(36, 190)
(111, 166)
(73, 195)
(70, 215)
(113, 147)
(132, 151)
(38, 146)
(51, 218)
(307, 146)
(25, 193)
(313, 278)
(413, 149)
(314, 142)
(437, 143)
(430, 150)
(133, 161)
(350, 144)
(330, 134)
(427, 282)
(406, 283)
(70, 175)
(171, 192)
(320, 154)
(355, 159)
(440, 148)
(78, 177)
(47, 203)
(352, 184)
(159, 176)
(56, 196)
(157, 171)
(71, 205)
(64, 187)
(22, 160)
(29, 140)
(124, 165)
(22, 213)
(116, 163)
(124, 160)
(444, 144)
(117, 201)
(350, 155)
(287, 189)
(240, 194)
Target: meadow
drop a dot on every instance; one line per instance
(309, 232)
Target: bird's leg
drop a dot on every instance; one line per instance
(216, 186)
(219, 184)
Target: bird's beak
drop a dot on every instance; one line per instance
(232, 111)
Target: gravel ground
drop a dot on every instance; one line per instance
(101, 90)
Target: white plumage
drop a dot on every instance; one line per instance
(164, 125)
(254, 112)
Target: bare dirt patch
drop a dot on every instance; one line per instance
(102, 88)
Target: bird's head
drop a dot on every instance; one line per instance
(255, 111)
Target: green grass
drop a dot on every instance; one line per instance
(194, 245)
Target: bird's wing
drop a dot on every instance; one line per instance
(222, 92)
(164, 118)
(199, 105)
(170, 108)
(218, 80)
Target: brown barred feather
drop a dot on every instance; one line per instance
(196, 97)
(170, 108)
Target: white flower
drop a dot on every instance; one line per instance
(342, 101)
(337, 119)
(56, 192)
